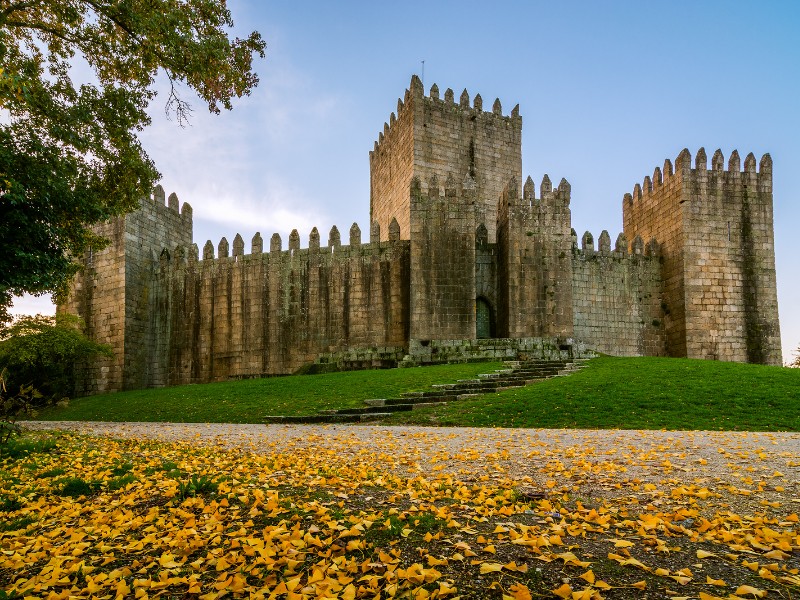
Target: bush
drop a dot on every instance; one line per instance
(41, 352)
(13, 406)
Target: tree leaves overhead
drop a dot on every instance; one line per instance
(69, 153)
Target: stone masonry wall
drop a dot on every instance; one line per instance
(269, 313)
(391, 167)
(148, 232)
(729, 260)
(653, 211)
(617, 297)
(112, 294)
(443, 231)
(96, 297)
(432, 136)
(715, 233)
(534, 244)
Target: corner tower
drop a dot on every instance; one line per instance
(715, 229)
(439, 137)
(113, 293)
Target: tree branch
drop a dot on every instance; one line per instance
(44, 28)
(16, 7)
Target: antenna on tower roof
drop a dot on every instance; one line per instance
(423, 74)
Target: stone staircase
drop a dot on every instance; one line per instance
(517, 373)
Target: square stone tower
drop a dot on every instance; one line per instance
(113, 293)
(715, 230)
(432, 137)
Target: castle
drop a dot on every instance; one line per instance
(462, 258)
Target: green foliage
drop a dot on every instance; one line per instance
(16, 525)
(612, 392)
(75, 487)
(51, 473)
(41, 353)
(382, 534)
(9, 504)
(427, 523)
(13, 406)
(122, 469)
(197, 485)
(796, 362)
(21, 448)
(249, 400)
(120, 482)
(70, 155)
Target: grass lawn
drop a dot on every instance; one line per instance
(625, 393)
(638, 393)
(248, 401)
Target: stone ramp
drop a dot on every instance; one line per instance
(517, 373)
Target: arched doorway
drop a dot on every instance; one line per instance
(484, 319)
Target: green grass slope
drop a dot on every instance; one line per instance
(638, 393)
(248, 401)
(625, 393)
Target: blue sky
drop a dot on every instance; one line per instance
(607, 91)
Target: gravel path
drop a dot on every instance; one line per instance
(723, 458)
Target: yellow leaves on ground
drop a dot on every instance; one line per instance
(337, 522)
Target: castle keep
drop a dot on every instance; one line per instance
(461, 258)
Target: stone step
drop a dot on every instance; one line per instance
(430, 394)
(369, 409)
(310, 419)
(375, 416)
(323, 419)
(516, 364)
(456, 387)
(518, 374)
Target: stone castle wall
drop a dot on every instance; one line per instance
(269, 313)
(96, 296)
(655, 214)
(534, 267)
(149, 233)
(617, 297)
(443, 256)
(715, 231)
(391, 167)
(114, 291)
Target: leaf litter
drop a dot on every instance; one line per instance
(357, 512)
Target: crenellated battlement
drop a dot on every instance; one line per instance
(623, 249)
(225, 251)
(443, 136)
(434, 189)
(549, 197)
(415, 95)
(756, 179)
(158, 198)
(714, 224)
